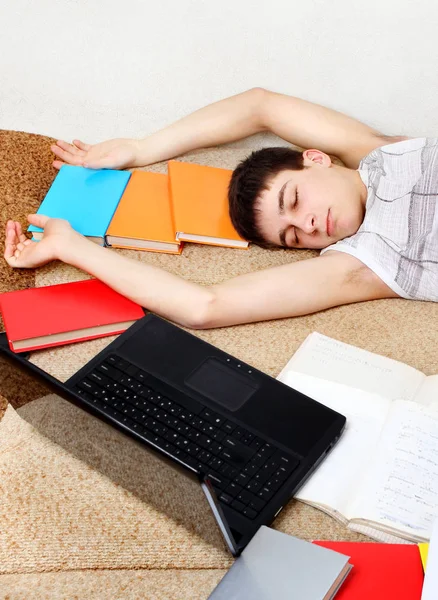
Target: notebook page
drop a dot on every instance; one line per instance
(336, 479)
(327, 358)
(400, 488)
(430, 586)
(428, 392)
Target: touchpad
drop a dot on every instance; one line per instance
(221, 383)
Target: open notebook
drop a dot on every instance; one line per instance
(381, 479)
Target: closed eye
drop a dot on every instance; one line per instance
(295, 204)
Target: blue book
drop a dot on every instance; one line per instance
(86, 198)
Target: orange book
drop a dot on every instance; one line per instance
(199, 198)
(143, 219)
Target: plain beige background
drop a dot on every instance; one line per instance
(108, 68)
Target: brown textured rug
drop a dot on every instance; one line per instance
(54, 470)
(26, 173)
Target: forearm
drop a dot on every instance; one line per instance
(290, 290)
(225, 121)
(155, 289)
(296, 289)
(310, 125)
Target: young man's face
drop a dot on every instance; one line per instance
(312, 208)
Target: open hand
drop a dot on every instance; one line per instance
(23, 253)
(113, 154)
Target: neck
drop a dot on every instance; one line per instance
(360, 186)
(356, 182)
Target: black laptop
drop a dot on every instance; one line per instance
(250, 440)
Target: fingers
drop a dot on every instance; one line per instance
(73, 149)
(58, 164)
(11, 235)
(10, 239)
(9, 249)
(81, 145)
(38, 220)
(21, 236)
(68, 153)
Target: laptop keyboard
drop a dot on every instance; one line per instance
(245, 470)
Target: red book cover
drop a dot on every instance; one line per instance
(61, 314)
(380, 571)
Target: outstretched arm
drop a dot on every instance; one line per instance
(289, 290)
(299, 122)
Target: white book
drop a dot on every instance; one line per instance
(277, 566)
(381, 478)
(430, 586)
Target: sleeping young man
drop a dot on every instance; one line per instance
(375, 219)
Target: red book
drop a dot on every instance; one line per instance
(55, 315)
(380, 571)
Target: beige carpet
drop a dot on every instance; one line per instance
(75, 521)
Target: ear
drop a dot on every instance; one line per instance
(316, 157)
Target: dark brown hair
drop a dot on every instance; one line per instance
(251, 177)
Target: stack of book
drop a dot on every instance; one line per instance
(277, 566)
(143, 210)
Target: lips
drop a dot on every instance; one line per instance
(329, 224)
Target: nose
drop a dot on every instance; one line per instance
(308, 224)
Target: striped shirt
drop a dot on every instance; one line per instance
(398, 238)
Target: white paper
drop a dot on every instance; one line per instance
(400, 487)
(329, 359)
(337, 478)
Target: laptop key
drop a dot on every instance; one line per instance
(237, 505)
(215, 448)
(212, 417)
(205, 456)
(192, 449)
(215, 463)
(240, 454)
(132, 370)
(256, 503)
(228, 426)
(233, 489)
(121, 364)
(218, 480)
(256, 443)
(141, 376)
(225, 498)
(110, 371)
(83, 394)
(87, 386)
(242, 478)
(197, 422)
(247, 438)
(265, 493)
(239, 432)
(288, 462)
(267, 450)
(99, 378)
(250, 513)
(185, 415)
(253, 486)
(228, 471)
(269, 468)
(244, 496)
